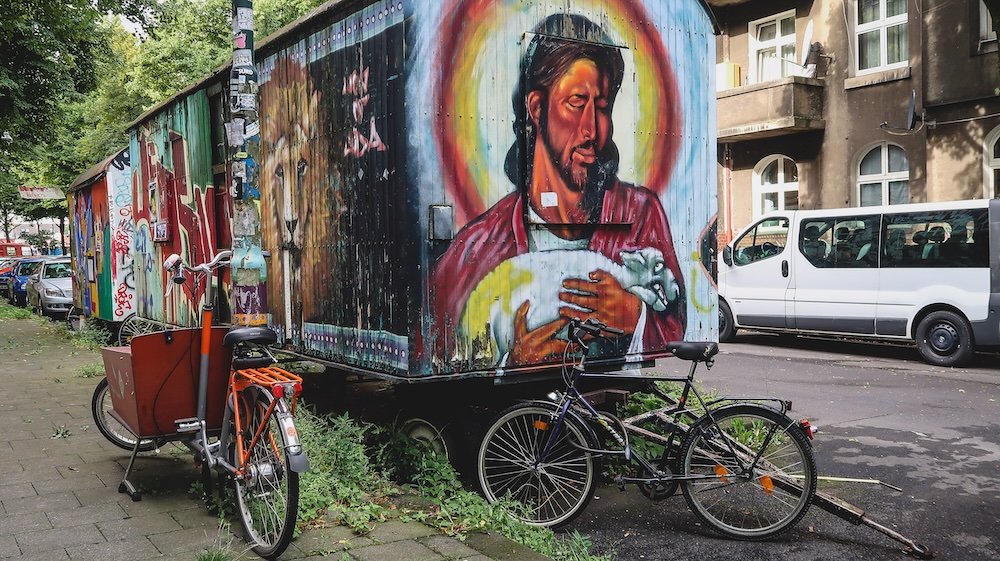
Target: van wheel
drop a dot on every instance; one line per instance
(727, 326)
(945, 339)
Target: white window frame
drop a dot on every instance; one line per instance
(986, 32)
(777, 43)
(990, 163)
(882, 24)
(758, 189)
(885, 177)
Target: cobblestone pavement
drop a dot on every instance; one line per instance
(59, 481)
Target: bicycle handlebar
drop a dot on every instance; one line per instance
(578, 328)
(175, 263)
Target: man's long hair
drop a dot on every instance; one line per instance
(559, 41)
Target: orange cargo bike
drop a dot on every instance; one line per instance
(227, 402)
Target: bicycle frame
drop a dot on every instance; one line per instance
(572, 398)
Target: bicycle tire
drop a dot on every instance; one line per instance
(760, 504)
(115, 432)
(554, 492)
(267, 493)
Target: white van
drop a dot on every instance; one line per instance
(927, 272)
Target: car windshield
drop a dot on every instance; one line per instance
(57, 271)
(28, 268)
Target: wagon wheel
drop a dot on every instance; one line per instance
(135, 325)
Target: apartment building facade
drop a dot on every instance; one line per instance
(851, 103)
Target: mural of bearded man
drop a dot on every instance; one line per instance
(569, 201)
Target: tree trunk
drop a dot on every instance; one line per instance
(62, 235)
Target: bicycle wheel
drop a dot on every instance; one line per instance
(267, 494)
(553, 489)
(759, 502)
(134, 326)
(114, 431)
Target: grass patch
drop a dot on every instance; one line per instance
(13, 312)
(92, 337)
(90, 370)
(352, 469)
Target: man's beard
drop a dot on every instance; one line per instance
(592, 179)
(577, 176)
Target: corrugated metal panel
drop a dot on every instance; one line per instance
(377, 118)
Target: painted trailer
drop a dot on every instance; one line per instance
(441, 182)
(101, 242)
(433, 172)
(181, 203)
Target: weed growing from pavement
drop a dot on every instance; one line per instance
(350, 466)
(90, 370)
(61, 432)
(341, 482)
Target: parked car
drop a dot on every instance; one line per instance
(50, 288)
(18, 294)
(6, 274)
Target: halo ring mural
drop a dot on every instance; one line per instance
(468, 105)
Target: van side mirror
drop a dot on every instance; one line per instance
(727, 256)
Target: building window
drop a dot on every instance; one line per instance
(986, 32)
(884, 176)
(775, 186)
(772, 47)
(881, 35)
(991, 165)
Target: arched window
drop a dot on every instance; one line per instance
(775, 185)
(883, 176)
(991, 164)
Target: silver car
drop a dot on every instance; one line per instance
(50, 289)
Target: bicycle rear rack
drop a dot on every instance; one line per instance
(280, 382)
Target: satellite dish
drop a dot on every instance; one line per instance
(911, 112)
(807, 37)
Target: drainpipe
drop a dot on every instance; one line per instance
(727, 190)
(249, 270)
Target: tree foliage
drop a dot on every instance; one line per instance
(72, 77)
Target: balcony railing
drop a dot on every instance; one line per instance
(774, 108)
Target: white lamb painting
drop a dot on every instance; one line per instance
(538, 279)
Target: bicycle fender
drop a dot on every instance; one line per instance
(299, 463)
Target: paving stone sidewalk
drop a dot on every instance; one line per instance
(59, 480)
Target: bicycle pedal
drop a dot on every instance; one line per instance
(187, 425)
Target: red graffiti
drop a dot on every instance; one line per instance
(123, 297)
(358, 144)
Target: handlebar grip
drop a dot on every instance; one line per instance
(613, 330)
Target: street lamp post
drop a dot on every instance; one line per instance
(249, 269)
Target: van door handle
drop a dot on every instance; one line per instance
(784, 268)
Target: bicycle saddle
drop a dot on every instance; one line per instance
(693, 350)
(258, 335)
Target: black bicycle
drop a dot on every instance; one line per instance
(745, 467)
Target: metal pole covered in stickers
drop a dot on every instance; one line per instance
(249, 271)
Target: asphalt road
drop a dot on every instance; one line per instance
(883, 414)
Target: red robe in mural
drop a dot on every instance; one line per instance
(500, 233)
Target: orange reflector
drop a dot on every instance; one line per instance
(767, 484)
(722, 473)
(541, 424)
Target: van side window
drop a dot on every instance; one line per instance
(941, 239)
(843, 242)
(766, 239)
